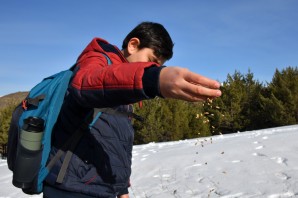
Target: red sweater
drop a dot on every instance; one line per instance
(97, 84)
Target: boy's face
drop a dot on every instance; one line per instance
(134, 54)
(144, 55)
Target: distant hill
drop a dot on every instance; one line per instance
(12, 98)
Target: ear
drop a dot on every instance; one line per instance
(133, 45)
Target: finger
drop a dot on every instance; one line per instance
(200, 91)
(190, 97)
(201, 80)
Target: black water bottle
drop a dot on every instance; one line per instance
(28, 153)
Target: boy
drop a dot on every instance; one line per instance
(101, 163)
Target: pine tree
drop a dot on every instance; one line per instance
(168, 120)
(240, 103)
(197, 121)
(251, 107)
(233, 94)
(280, 102)
(5, 118)
(147, 131)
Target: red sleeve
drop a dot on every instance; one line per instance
(97, 84)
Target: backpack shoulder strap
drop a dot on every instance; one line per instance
(72, 142)
(119, 113)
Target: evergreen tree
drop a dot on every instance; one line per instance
(240, 103)
(198, 125)
(251, 107)
(233, 95)
(213, 115)
(168, 120)
(146, 131)
(5, 118)
(280, 101)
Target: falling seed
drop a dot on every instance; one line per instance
(206, 121)
(224, 172)
(222, 152)
(206, 113)
(217, 107)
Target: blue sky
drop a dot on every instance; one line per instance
(213, 38)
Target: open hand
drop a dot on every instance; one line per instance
(180, 83)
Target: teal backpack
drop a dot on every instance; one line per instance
(29, 136)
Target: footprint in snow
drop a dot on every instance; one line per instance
(280, 160)
(153, 151)
(282, 176)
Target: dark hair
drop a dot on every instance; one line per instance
(154, 36)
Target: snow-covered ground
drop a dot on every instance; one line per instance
(261, 163)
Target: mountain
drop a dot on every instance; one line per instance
(13, 98)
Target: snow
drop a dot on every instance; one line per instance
(262, 163)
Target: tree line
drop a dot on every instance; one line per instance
(246, 104)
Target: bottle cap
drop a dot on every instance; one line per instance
(33, 124)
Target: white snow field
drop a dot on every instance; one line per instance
(261, 163)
